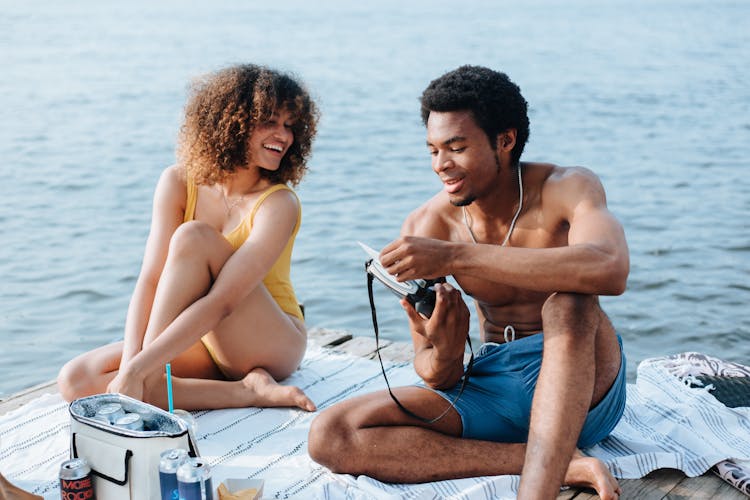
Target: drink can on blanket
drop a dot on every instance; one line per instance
(168, 464)
(125, 462)
(75, 480)
(194, 480)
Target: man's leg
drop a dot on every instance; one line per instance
(370, 435)
(580, 361)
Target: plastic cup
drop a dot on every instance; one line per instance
(192, 425)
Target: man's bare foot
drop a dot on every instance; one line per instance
(266, 392)
(590, 472)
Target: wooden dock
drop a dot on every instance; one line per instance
(660, 484)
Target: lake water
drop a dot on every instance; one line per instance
(653, 96)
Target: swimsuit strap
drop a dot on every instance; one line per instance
(192, 198)
(268, 192)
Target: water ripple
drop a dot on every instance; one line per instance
(91, 109)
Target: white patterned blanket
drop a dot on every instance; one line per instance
(666, 424)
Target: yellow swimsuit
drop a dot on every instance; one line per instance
(277, 281)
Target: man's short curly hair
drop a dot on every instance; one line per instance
(224, 108)
(493, 99)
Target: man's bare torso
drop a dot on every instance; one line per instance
(540, 225)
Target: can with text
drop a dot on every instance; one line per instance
(194, 480)
(168, 463)
(76, 482)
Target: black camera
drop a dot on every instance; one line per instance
(420, 293)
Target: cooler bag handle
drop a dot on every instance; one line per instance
(102, 447)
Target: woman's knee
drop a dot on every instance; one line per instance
(195, 239)
(72, 380)
(330, 439)
(190, 236)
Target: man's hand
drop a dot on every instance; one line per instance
(412, 257)
(439, 361)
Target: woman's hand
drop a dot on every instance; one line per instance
(127, 383)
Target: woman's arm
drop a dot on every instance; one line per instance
(167, 214)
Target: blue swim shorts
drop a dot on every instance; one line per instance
(496, 402)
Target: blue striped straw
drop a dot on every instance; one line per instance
(169, 388)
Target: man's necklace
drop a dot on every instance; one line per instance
(509, 333)
(515, 217)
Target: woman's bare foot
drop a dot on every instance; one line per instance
(265, 391)
(590, 472)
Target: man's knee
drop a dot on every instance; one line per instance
(571, 313)
(329, 441)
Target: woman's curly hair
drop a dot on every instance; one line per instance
(224, 108)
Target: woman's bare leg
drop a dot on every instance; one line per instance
(91, 372)
(254, 344)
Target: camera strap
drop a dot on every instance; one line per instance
(465, 377)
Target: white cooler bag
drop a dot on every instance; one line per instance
(124, 462)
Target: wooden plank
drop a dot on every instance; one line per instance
(704, 487)
(326, 338)
(398, 352)
(19, 399)
(654, 486)
(363, 347)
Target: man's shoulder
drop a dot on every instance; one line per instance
(433, 219)
(561, 189)
(553, 174)
(557, 180)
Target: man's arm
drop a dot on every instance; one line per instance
(438, 341)
(595, 261)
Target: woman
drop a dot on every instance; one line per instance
(213, 297)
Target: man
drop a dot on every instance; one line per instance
(534, 245)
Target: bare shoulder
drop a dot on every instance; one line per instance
(172, 187)
(573, 179)
(436, 218)
(280, 205)
(570, 186)
(282, 198)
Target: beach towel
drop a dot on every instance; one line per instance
(669, 422)
(673, 408)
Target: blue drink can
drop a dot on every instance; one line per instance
(194, 480)
(169, 462)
